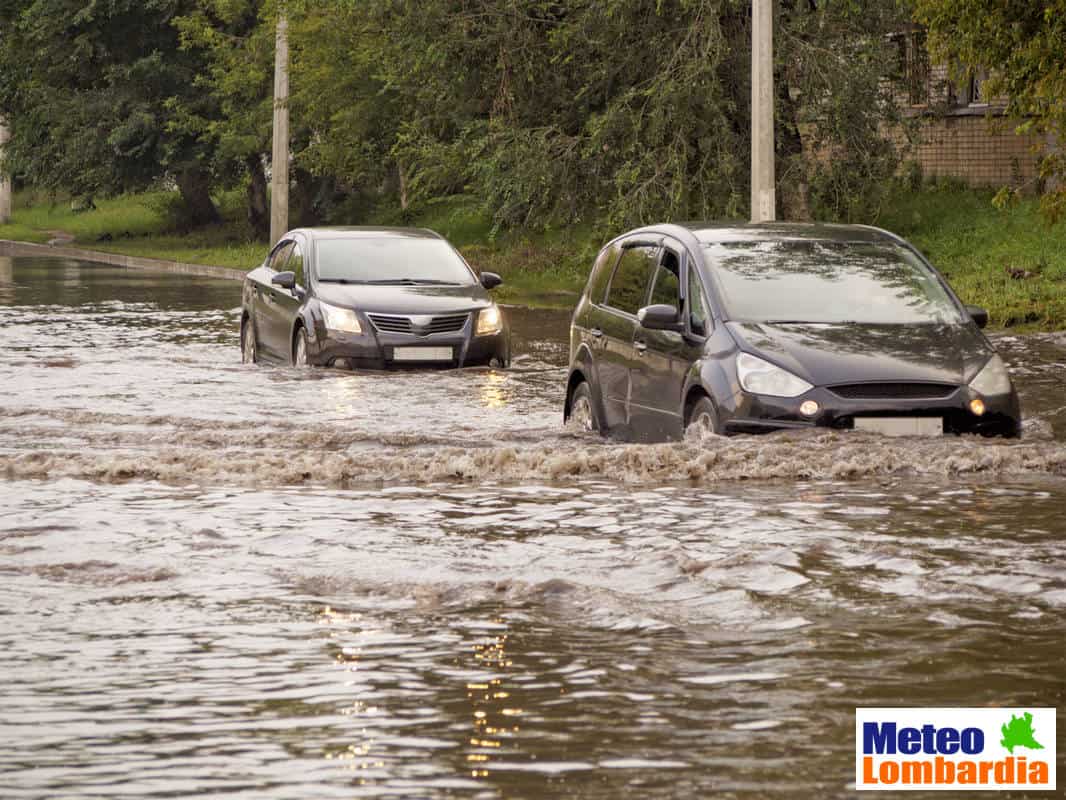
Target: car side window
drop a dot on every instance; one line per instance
(601, 273)
(667, 287)
(629, 284)
(280, 256)
(296, 263)
(699, 318)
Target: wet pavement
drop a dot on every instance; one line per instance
(230, 580)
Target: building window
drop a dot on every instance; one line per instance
(916, 68)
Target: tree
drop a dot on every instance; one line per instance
(87, 87)
(1022, 45)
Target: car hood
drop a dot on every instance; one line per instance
(827, 354)
(404, 299)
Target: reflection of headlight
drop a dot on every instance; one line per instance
(762, 377)
(340, 319)
(489, 321)
(992, 379)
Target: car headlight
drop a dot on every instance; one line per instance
(762, 377)
(993, 378)
(340, 319)
(489, 321)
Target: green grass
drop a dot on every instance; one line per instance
(136, 225)
(1010, 262)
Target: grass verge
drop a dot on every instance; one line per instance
(1010, 262)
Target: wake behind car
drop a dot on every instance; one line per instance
(372, 298)
(754, 328)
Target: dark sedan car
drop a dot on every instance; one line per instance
(753, 328)
(371, 298)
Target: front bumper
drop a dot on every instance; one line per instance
(759, 414)
(374, 349)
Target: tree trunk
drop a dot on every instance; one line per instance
(793, 195)
(195, 188)
(258, 209)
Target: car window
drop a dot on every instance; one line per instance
(629, 284)
(601, 273)
(400, 259)
(280, 256)
(296, 263)
(827, 281)
(667, 287)
(698, 316)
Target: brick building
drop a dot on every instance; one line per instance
(959, 132)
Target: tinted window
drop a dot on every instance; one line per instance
(825, 281)
(698, 316)
(393, 259)
(277, 260)
(667, 287)
(601, 273)
(296, 264)
(629, 284)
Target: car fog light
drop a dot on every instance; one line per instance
(977, 406)
(809, 408)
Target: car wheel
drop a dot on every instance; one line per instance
(248, 349)
(583, 410)
(299, 350)
(702, 421)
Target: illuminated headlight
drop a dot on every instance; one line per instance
(992, 379)
(489, 321)
(340, 319)
(762, 377)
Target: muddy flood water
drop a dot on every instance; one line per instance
(232, 580)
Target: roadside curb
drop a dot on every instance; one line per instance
(13, 248)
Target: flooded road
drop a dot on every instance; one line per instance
(232, 580)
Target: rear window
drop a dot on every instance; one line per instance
(629, 284)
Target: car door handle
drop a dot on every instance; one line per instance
(597, 333)
(640, 347)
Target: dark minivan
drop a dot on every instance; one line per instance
(371, 298)
(753, 328)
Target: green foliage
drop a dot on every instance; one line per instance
(1009, 261)
(1022, 45)
(86, 88)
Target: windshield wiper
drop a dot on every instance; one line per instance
(338, 280)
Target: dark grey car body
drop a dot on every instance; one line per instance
(391, 317)
(645, 383)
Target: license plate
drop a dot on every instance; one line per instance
(422, 354)
(901, 426)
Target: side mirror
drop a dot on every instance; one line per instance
(660, 318)
(286, 280)
(978, 315)
(490, 280)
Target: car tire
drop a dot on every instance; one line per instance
(300, 356)
(583, 414)
(702, 421)
(249, 351)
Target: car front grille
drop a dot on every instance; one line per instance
(893, 391)
(418, 326)
(390, 324)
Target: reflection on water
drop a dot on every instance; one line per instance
(418, 585)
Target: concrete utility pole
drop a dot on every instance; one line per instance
(763, 200)
(279, 186)
(5, 182)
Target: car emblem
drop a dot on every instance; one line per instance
(420, 325)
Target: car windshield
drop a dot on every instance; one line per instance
(818, 281)
(390, 260)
